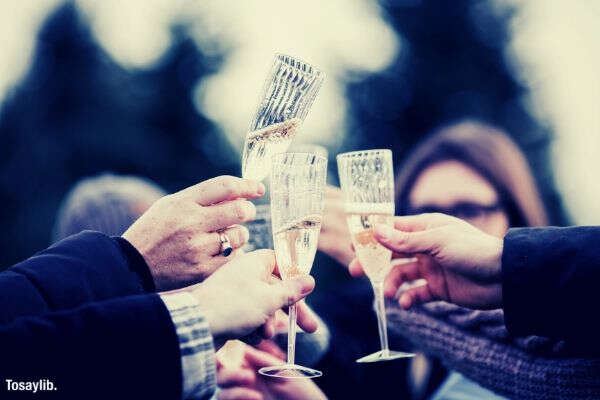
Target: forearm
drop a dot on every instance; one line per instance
(548, 277)
(124, 347)
(481, 349)
(195, 345)
(83, 268)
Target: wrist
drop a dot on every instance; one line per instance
(207, 303)
(492, 260)
(494, 268)
(196, 344)
(137, 264)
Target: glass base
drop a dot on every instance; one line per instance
(382, 355)
(290, 371)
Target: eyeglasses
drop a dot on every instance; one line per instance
(464, 210)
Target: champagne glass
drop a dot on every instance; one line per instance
(367, 181)
(316, 149)
(297, 200)
(289, 91)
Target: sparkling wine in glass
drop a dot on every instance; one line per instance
(367, 181)
(297, 200)
(289, 91)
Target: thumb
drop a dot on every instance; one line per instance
(407, 242)
(293, 290)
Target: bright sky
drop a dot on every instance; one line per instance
(557, 43)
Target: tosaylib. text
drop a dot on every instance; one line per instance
(42, 385)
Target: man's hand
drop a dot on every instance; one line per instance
(334, 238)
(245, 293)
(460, 263)
(178, 236)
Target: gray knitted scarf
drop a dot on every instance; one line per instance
(477, 344)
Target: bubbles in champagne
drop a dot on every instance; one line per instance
(362, 217)
(263, 143)
(295, 246)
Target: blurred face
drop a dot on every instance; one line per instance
(454, 188)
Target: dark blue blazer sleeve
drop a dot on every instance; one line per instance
(550, 278)
(83, 268)
(124, 348)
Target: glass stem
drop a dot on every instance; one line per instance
(381, 319)
(291, 350)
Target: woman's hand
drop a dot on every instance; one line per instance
(334, 238)
(179, 235)
(245, 383)
(460, 263)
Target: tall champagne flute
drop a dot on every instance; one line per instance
(297, 200)
(367, 181)
(288, 93)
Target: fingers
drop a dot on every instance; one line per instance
(238, 236)
(356, 270)
(291, 291)
(407, 242)
(219, 260)
(271, 347)
(307, 320)
(268, 329)
(235, 377)
(222, 215)
(265, 260)
(259, 359)
(280, 320)
(239, 393)
(416, 223)
(224, 188)
(406, 272)
(416, 295)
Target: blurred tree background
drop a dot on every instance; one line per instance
(77, 112)
(451, 67)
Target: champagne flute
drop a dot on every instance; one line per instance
(367, 181)
(289, 91)
(316, 149)
(297, 200)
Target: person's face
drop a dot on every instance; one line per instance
(454, 188)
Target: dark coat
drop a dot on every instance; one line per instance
(549, 280)
(80, 315)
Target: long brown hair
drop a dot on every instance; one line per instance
(492, 154)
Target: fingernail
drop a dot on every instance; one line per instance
(308, 284)
(383, 231)
(261, 188)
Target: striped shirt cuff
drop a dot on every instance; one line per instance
(195, 345)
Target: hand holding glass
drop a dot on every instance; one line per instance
(367, 181)
(297, 200)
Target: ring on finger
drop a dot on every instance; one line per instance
(226, 248)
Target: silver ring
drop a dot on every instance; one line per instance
(226, 248)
